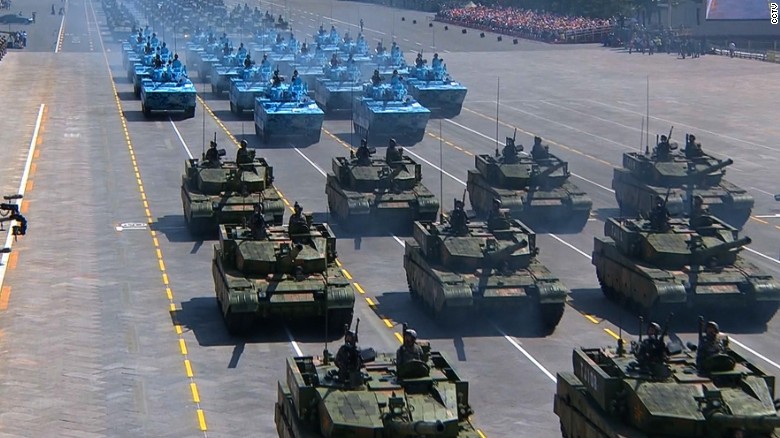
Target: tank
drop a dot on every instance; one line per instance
(534, 188)
(223, 73)
(425, 399)
(168, 90)
(674, 264)
(386, 111)
(294, 277)
(227, 194)
(454, 268)
(644, 176)
(250, 85)
(338, 88)
(612, 393)
(287, 111)
(377, 192)
(434, 88)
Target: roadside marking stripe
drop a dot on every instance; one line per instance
(188, 368)
(195, 395)
(591, 318)
(5, 295)
(202, 420)
(346, 274)
(399, 337)
(387, 322)
(611, 333)
(358, 287)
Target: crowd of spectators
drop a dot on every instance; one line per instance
(538, 25)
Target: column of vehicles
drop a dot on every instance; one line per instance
(674, 249)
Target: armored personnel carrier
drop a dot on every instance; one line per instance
(287, 271)
(338, 88)
(663, 264)
(453, 267)
(534, 188)
(434, 88)
(168, 90)
(684, 175)
(372, 396)
(617, 394)
(385, 110)
(365, 190)
(227, 192)
(252, 84)
(287, 111)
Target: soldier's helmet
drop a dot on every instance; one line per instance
(691, 138)
(393, 143)
(297, 207)
(653, 329)
(712, 325)
(496, 203)
(213, 144)
(698, 200)
(659, 200)
(411, 333)
(537, 140)
(244, 143)
(663, 139)
(363, 142)
(458, 204)
(259, 207)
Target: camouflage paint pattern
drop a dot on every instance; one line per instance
(662, 271)
(280, 275)
(339, 87)
(168, 96)
(435, 90)
(299, 117)
(221, 76)
(386, 111)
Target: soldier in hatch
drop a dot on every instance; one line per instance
(510, 151)
(242, 155)
(539, 151)
(693, 147)
(700, 215)
(459, 222)
(664, 149)
(212, 155)
(298, 223)
(363, 154)
(394, 153)
(652, 350)
(257, 223)
(348, 356)
(409, 350)
(711, 344)
(659, 215)
(376, 79)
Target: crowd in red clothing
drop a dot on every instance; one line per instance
(520, 22)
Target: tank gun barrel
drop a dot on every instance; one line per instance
(723, 247)
(745, 421)
(549, 170)
(504, 253)
(417, 428)
(713, 168)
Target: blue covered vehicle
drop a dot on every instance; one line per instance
(288, 112)
(252, 84)
(388, 61)
(168, 89)
(336, 91)
(309, 67)
(223, 73)
(385, 111)
(433, 87)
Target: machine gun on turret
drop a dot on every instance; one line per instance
(712, 256)
(416, 428)
(540, 175)
(710, 169)
(9, 211)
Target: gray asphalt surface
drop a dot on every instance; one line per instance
(88, 312)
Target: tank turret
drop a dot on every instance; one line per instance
(678, 266)
(320, 400)
(644, 176)
(364, 190)
(455, 267)
(610, 394)
(267, 272)
(533, 190)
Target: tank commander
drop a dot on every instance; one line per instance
(510, 151)
(277, 80)
(711, 344)
(242, 155)
(348, 356)
(539, 151)
(376, 79)
(297, 223)
(257, 223)
(652, 350)
(495, 212)
(248, 61)
(334, 61)
(436, 61)
(395, 79)
(394, 153)
(659, 215)
(458, 220)
(212, 155)
(693, 147)
(363, 154)
(664, 149)
(304, 49)
(176, 64)
(296, 79)
(409, 350)
(700, 215)
(419, 62)
(380, 49)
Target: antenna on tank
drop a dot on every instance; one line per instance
(647, 132)
(441, 173)
(498, 96)
(204, 121)
(641, 135)
(325, 353)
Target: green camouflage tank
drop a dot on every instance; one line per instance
(454, 267)
(279, 274)
(680, 177)
(425, 399)
(535, 188)
(226, 194)
(617, 394)
(665, 264)
(362, 192)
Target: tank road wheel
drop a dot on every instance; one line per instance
(415, 296)
(608, 291)
(237, 324)
(551, 315)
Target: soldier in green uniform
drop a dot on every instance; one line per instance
(297, 223)
(458, 220)
(711, 344)
(394, 153)
(510, 151)
(539, 151)
(363, 154)
(409, 350)
(700, 215)
(257, 223)
(652, 350)
(692, 147)
(242, 155)
(348, 356)
(212, 155)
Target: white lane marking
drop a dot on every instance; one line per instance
(322, 172)
(435, 167)
(687, 126)
(577, 250)
(593, 182)
(292, 342)
(762, 191)
(400, 242)
(763, 255)
(754, 352)
(767, 216)
(525, 353)
(9, 239)
(178, 134)
(59, 35)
